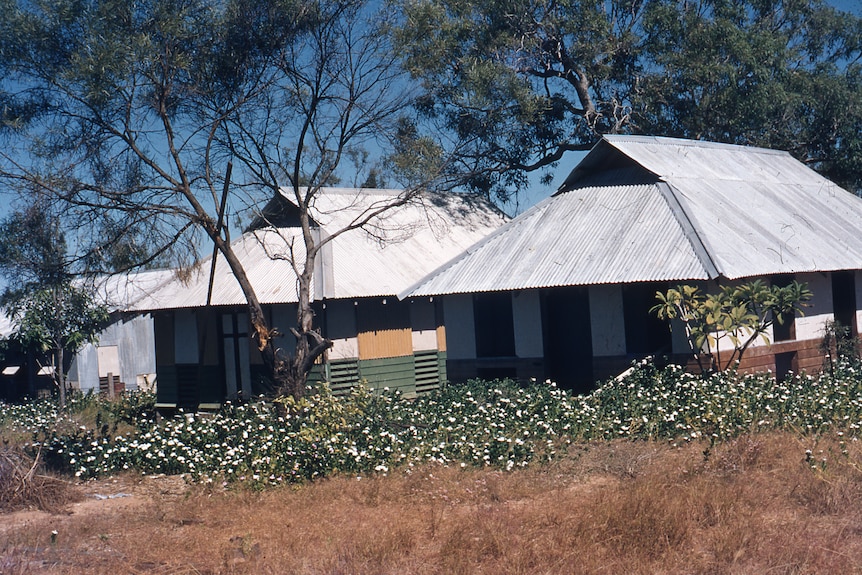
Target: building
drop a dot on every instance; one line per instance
(123, 357)
(124, 350)
(563, 290)
(19, 369)
(204, 352)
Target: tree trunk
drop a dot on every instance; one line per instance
(288, 375)
(263, 333)
(59, 376)
(310, 345)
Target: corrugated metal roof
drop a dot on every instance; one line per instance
(755, 228)
(119, 292)
(758, 211)
(270, 281)
(126, 291)
(399, 248)
(586, 236)
(672, 159)
(711, 210)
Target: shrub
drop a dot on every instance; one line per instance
(499, 423)
(24, 486)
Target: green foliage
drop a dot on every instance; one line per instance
(132, 407)
(499, 424)
(672, 404)
(739, 314)
(40, 418)
(531, 79)
(41, 302)
(58, 317)
(32, 248)
(49, 313)
(839, 344)
(116, 108)
(55, 319)
(777, 74)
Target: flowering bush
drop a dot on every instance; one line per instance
(498, 423)
(671, 403)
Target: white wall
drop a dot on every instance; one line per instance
(527, 320)
(460, 330)
(820, 308)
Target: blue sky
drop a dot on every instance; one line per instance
(538, 191)
(854, 6)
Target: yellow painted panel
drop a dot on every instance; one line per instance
(441, 338)
(385, 343)
(384, 329)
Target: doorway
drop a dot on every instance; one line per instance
(568, 338)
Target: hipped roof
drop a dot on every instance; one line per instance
(396, 248)
(642, 209)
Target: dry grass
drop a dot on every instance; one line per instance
(23, 484)
(753, 505)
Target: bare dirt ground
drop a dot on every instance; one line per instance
(63, 541)
(753, 505)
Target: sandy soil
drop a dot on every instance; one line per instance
(108, 502)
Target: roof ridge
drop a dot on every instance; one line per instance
(687, 142)
(689, 230)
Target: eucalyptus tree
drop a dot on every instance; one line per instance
(133, 113)
(50, 314)
(339, 98)
(530, 80)
(785, 74)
